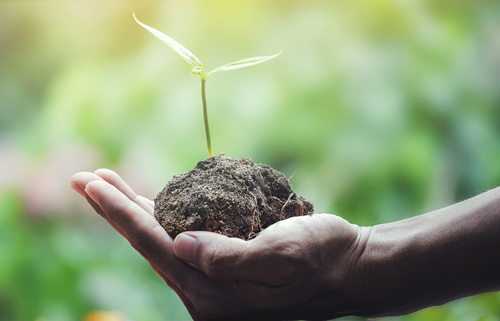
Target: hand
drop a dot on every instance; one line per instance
(303, 267)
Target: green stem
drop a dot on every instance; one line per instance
(205, 117)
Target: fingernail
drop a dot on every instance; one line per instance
(184, 247)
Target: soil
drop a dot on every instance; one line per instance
(225, 195)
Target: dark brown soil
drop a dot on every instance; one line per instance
(233, 197)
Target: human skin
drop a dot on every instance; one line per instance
(313, 267)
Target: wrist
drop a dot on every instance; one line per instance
(389, 266)
(433, 258)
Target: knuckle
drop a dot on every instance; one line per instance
(291, 253)
(145, 241)
(292, 259)
(141, 243)
(214, 265)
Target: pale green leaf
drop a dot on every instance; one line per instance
(243, 63)
(197, 66)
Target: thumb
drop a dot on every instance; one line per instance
(218, 256)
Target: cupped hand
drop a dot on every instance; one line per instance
(302, 267)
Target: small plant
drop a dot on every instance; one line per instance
(197, 68)
(236, 198)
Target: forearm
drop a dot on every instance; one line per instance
(433, 258)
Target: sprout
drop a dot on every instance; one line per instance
(197, 68)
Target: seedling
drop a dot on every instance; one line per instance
(197, 68)
(239, 201)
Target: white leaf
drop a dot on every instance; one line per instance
(197, 66)
(243, 63)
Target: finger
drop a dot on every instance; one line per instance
(221, 257)
(99, 211)
(115, 180)
(79, 180)
(273, 257)
(95, 206)
(132, 219)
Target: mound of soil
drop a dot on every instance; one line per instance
(225, 195)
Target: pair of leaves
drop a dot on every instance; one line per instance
(195, 63)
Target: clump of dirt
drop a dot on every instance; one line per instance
(225, 195)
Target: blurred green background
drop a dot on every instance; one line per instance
(382, 109)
